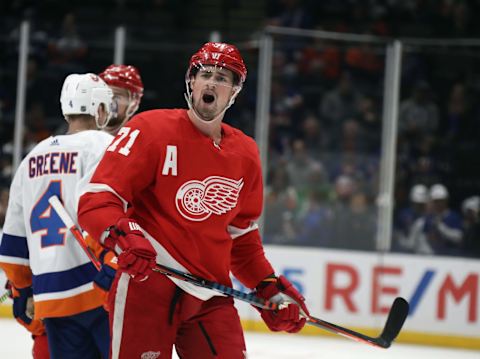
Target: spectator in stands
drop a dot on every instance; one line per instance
(370, 122)
(281, 202)
(407, 217)
(283, 66)
(314, 136)
(439, 232)
(351, 139)
(6, 164)
(285, 99)
(4, 102)
(443, 226)
(471, 224)
(422, 162)
(68, 51)
(320, 60)
(345, 188)
(300, 165)
(288, 13)
(362, 169)
(315, 220)
(455, 19)
(36, 122)
(365, 64)
(362, 223)
(315, 186)
(286, 111)
(458, 114)
(340, 103)
(38, 45)
(418, 114)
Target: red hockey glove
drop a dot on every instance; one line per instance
(291, 318)
(40, 347)
(136, 256)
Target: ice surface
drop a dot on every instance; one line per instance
(15, 343)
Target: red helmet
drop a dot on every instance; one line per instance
(123, 76)
(219, 54)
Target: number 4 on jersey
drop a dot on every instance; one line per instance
(43, 218)
(124, 132)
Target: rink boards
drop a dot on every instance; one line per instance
(356, 289)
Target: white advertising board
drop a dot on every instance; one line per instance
(357, 288)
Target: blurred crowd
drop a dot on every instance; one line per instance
(326, 109)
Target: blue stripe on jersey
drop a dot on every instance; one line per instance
(64, 280)
(14, 246)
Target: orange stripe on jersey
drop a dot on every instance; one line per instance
(68, 306)
(19, 275)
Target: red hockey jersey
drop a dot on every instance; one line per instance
(196, 202)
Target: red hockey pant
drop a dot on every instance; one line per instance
(149, 317)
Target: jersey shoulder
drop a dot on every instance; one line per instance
(90, 141)
(160, 123)
(82, 140)
(42, 145)
(92, 136)
(243, 143)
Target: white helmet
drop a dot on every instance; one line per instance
(419, 194)
(438, 191)
(471, 203)
(82, 94)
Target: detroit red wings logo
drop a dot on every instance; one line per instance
(198, 200)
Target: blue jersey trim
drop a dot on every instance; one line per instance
(64, 280)
(14, 246)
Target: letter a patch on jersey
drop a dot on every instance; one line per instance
(198, 200)
(170, 163)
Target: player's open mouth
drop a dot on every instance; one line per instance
(208, 98)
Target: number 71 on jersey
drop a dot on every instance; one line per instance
(122, 134)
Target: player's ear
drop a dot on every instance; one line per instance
(101, 114)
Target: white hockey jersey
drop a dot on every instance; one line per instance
(36, 248)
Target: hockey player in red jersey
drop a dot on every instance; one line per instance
(195, 188)
(127, 87)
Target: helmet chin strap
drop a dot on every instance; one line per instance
(133, 104)
(188, 97)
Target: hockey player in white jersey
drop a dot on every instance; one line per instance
(37, 252)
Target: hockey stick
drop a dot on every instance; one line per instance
(396, 317)
(67, 220)
(4, 296)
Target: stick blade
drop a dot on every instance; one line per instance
(397, 316)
